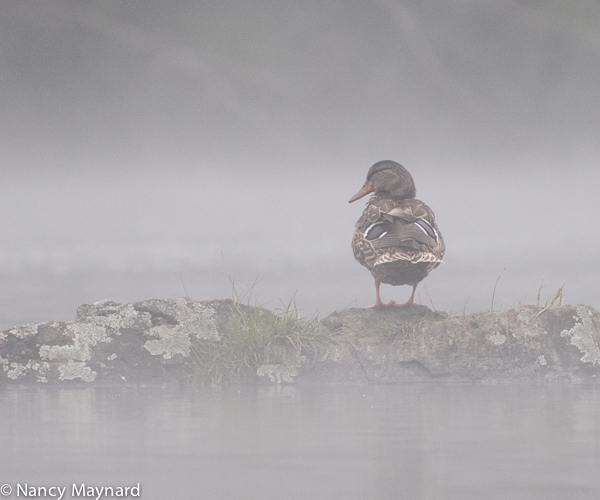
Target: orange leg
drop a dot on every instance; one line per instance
(379, 303)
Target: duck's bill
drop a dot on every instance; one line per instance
(366, 189)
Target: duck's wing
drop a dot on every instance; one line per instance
(408, 224)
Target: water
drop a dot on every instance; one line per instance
(283, 234)
(117, 235)
(320, 286)
(418, 441)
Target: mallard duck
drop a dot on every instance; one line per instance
(396, 238)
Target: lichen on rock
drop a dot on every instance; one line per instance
(85, 336)
(109, 314)
(24, 331)
(497, 338)
(182, 320)
(170, 342)
(582, 336)
(15, 370)
(190, 317)
(76, 369)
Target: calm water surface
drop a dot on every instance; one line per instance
(420, 441)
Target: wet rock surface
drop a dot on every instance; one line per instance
(149, 342)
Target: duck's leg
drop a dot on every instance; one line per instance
(378, 302)
(410, 301)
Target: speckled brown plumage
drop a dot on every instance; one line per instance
(396, 237)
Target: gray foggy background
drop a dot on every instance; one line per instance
(150, 148)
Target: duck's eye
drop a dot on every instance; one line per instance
(375, 231)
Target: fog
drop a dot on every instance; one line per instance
(160, 149)
(163, 149)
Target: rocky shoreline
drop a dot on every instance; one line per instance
(152, 342)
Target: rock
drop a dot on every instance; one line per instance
(414, 343)
(140, 342)
(150, 342)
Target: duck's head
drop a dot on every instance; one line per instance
(388, 179)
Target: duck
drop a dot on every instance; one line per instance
(396, 237)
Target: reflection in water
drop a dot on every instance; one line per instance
(418, 441)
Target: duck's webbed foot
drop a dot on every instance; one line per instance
(379, 304)
(410, 301)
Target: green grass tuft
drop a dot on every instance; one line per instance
(250, 337)
(557, 297)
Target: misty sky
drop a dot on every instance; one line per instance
(162, 135)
